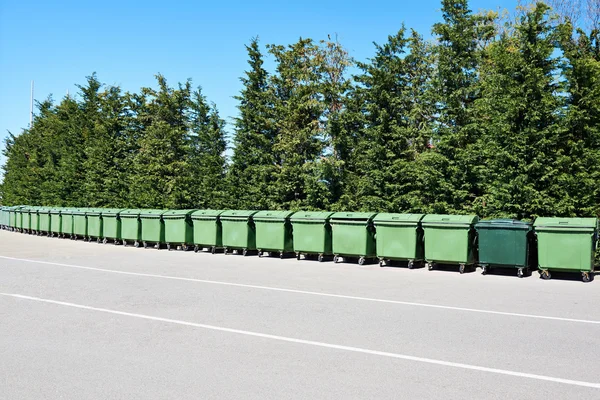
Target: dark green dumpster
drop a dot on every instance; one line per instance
(274, 232)
(179, 230)
(504, 243)
(207, 230)
(80, 223)
(131, 227)
(450, 239)
(95, 224)
(67, 222)
(111, 225)
(56, 222)
(239, 232)
(312, 234)
(353, 235)
(399, 237)
(44, 221)
(566, 244)
(153, 228)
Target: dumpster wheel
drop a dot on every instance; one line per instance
(381, 262)
(225, 251)
(484, 270)
(430, 266)
(461, 268)
(196, 249)
(213, 250)
(260, 253)
(297, 256)
(184, 247)
(137, 244)
(520, 273)
(169, 246)
(336, 259)
(411, 264)
(545, 274)
(245, 252)
(361, 261)
(281, 255)
(320, 258)
(585, 276)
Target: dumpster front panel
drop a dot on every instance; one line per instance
(67, 221)
(238, 234)
(25, 219)
(34, 219)
(55, 221)
(44, 220)
(565, 251)
(207, 232)
(503, 243)
(274, 235)
(312, 237)
(179, 230)
(399, 242)
(353, 238)
(153, 228)
(448, 244)
(131, 228)
(95, 223)
(80, 223)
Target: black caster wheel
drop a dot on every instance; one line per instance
(116, 242)
(336, 259)
(124, 243)
(185, 247)
(213, 250)
(430, 266)
(298, 256)
(545, 274)
(382, 263)
(461, 268)
(168, 246)
(520, 273)
(260, 254)
(196, 249)
(320, 258)
(245, 252)
(361, 261)
(411, 264)
(586, 277)
(105, 241)
(484, 270)
(281, 255)
(136, 244)
(225, 251)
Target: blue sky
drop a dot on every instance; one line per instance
(58, 43)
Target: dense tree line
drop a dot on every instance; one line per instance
(498, 116)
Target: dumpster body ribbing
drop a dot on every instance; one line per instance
(399, 237)
(238, 230)
(274, 231)
(450, 239)
(566, 244)
(207, 231)
(178, 227)
(353, 235)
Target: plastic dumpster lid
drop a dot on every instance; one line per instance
(311, 215)
(206, 213)
(80, 211)
(177, 213)
(151, 213)
(68, 211)
(354, 215)
(111, 211)
(273, 215)
(503, 224)
(569, 223)
(131, 211)
(94, 211)
(55, 210)
(396, 217)
(443, 219)
(238, 213)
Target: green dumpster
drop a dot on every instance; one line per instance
(153, 228)
(399, 237)
(353, 235)
(450, 239)
(56, 222)
(207, 231)
(131, 227)
(4, 217)
(111, 225)
(239, 232)
(20, 211)
(312, 233)
(95, 224)
(274, 232)
(26, 213)
(566, 244)
(179, 230)
(504, 243)
(67, 222)
(44, 220)
(12, 217)
(80, 223)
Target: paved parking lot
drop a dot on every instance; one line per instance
(89, 321)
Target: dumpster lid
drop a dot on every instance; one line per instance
(55, 210)
(111, 211)
(177, 213)
(131, 211)
(443, 219)
(68, 211)
(238, 213)
(206, 213)
(273, 215)
(80, 211)
(354, 215)
(503, 224)
(94, 211)
(151, 213)
(568, 223)
(311, 215)
(395, 217)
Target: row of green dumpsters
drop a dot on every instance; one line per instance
(549, 244)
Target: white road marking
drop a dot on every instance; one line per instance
(314, 343)
(297, 291)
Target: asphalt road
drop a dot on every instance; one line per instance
(88, 321)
